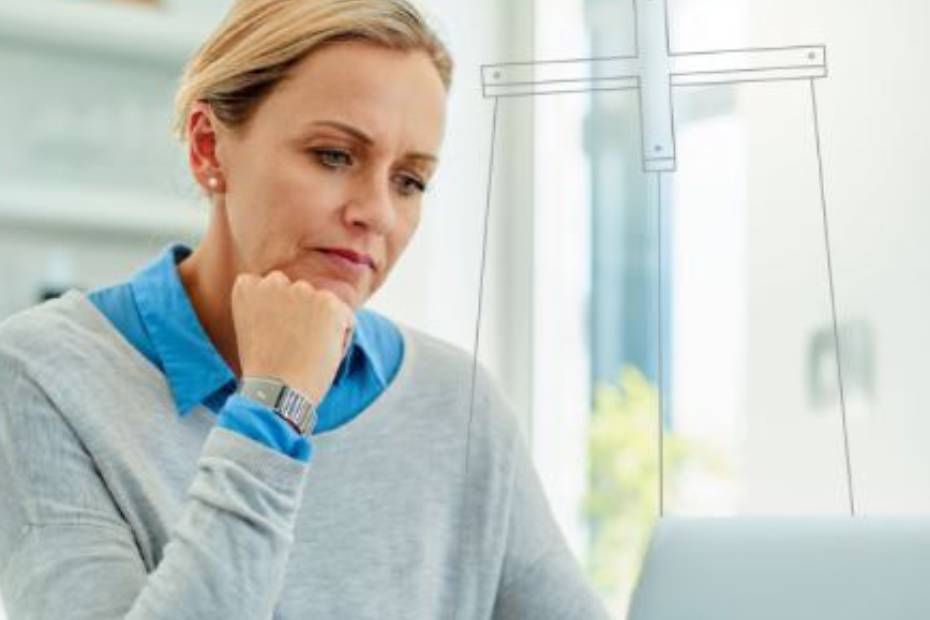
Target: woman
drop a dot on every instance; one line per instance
(229, 434)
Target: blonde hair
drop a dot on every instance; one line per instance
(259, 41)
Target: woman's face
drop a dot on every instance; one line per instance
(335, 159)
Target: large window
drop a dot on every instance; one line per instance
(706, 290)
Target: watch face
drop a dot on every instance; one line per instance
(285, 402)
(263, 395)
(264, 391)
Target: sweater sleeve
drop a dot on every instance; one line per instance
(541, 578)
(67, 552)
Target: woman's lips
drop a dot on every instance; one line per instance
(351, 255)
(348, 260)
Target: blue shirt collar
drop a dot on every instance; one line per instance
(194, 369)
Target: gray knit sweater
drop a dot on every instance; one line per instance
(114, 506)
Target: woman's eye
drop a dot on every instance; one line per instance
(410, 185)
(332, 158)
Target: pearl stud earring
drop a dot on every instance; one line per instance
(213, 182)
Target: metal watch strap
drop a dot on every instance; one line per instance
(298, 410)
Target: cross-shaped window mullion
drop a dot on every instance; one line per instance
(655, 72)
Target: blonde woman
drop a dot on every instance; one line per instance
(229, 434)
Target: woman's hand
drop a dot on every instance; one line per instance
(290, 331)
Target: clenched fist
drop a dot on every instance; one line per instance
(290, 331)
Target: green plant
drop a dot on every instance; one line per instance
(621, 505)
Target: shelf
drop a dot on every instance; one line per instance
(122, 213)
(113, 29)
(153, 42)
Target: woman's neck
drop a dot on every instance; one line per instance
(208, 276)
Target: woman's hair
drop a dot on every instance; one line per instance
(260, 40)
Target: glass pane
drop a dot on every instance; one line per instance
(734, 335)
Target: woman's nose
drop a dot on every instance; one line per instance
(373, 206)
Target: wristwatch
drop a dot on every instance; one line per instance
(298, 410)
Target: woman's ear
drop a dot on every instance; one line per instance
(202, 139)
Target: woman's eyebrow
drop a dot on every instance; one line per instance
(366, 139)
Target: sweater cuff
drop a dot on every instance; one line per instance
(254, 420)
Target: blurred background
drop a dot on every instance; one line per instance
(92, 186)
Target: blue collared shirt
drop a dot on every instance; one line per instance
(154, 313)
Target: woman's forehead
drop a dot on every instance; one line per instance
(382, 93)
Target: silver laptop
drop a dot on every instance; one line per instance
(786, 569)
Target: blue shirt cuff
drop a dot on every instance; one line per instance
(257, 421)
